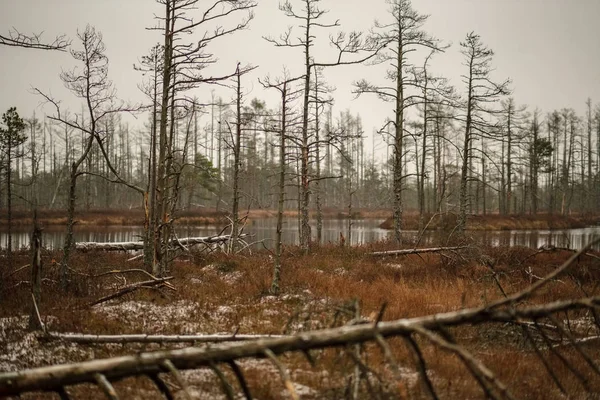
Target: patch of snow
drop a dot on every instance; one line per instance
(225, 310)
(233, 277)
(269, 299)
(21, 349)
(270, 312)
(153, 318)
(394, 266)
(301, 390)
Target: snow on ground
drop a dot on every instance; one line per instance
(152, 318)
(21, 349)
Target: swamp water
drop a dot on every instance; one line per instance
(363, 231)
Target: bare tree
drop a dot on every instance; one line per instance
(401, 36)
(589, 187)
(91, 84)
(183, 65)
(349, 48)
(151, 64)
(512, 120)
(481, 91)
(288, 94)
(236, 143)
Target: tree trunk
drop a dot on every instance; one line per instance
(398, 143)
(509, 193)
(236, 163)
(9, 199)
(280, 203)
(463, 199)
(318, 168)
(36, 276)
(64, 266)
(305, 233)
(162, 185)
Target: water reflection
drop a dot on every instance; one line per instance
(363, 231)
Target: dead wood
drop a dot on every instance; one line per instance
(131, 246)
(433, 328)
(16, 271)
(416, 251)
(130, 288)
(144, 338)
(57, 376)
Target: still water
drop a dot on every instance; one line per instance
(363, 231)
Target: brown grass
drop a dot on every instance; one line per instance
(135, 217)
(495, 222)
(109, 217)
(220, 293)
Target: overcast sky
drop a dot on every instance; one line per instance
(549, 48)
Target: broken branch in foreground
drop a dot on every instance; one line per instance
(54, 378)
(129, 246)
(144, 338)
(416, 251)
(431, 327)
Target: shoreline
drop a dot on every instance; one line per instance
(202, 217)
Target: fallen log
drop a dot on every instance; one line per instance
(129, 246)
(55, 377)
(145, 338)
(416, 251)
(507, 310)
(130, 288)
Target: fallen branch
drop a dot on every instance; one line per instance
(144, 338)
(55, 377)
(578, 341)
(124, 271)
(16, 270)
(416, 251)
(130, 288)
(550, 248)
(131, 246)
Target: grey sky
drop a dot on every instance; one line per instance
(549, 48)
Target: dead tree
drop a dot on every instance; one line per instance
(150, 64)
(236, 145)
(287, 95)
(401, 36)
(512, 121)
(350, 49)
(91, 84)
(182, 70)
(481, 91)
(35, 322)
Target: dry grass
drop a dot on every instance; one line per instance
(135, 217)
(220, 294)
(109, 217)
(495, 222)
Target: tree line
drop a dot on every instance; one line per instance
(464, 149)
